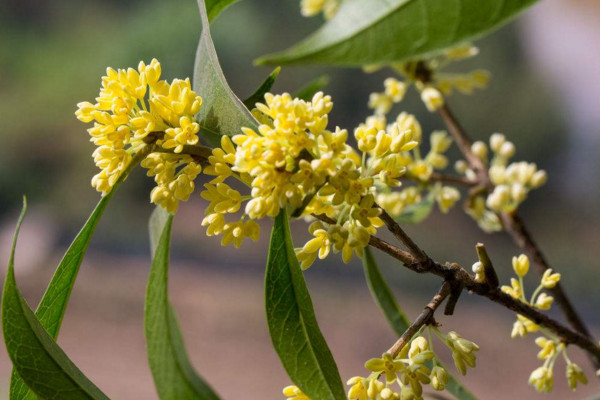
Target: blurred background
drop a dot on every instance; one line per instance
(544, 95)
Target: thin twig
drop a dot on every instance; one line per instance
(513, 224)
(423, 319)
(454, 274)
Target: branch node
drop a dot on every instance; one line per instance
(489, 272)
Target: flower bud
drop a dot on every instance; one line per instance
(479, 149)
(432, 98)
(507, 150)
(496, 142)
(439, 378)
(549, 280)
(521, 265)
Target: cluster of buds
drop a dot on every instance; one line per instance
(429, 79)
(404, 376)
(551, 346)
(512, 181)
(135, 108)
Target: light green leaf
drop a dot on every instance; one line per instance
(38, 360)
(415, 213)
(380, 31)
(292, 323)
(259, 95)
(174, 376)
(222, 112)
(386, 301)
(215, 7)
(307, 91)
(53, 305)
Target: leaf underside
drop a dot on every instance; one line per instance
(39, 361)
(222, 112)
(174, 375)
(379, 31)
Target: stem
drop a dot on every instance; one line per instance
(514, 225)
(424, 318)
(454, 274)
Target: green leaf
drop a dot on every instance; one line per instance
(292, 323)
(52, 307)
(386, 301)
(415, 213)
(379, 31)
(259, 95)
(39, 361)
(174, 376)
(383, 295)
(222, 112)
(215, 7)
(307, 91)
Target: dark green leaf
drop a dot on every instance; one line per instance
(53, 305)
(222, 113)
(259, 95)
(380, 31)
(307, 91)
(292, 323)
(174, 376)
(215, 7)
(38, 360)
(397, 319)
(415, 213)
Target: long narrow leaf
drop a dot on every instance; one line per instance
(379, 31)
(397, 319)
(38, 360)
(53, 305)
(174, 376)
(292, 323)
(265, 87)
(215, 7)
(222, 112)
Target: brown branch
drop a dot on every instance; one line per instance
(455, 275)
(424, 318)
(514, 225)
(399, 233)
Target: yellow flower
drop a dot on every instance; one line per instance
(439, 378)
(432, 98)
(236, 232)
(548, 348)
(521, 265)
(385, 365)
(549, 280)
(357, 391)
(544, 302)
(134, 106)
(223, 199)
(394, 89)
(574, 375)
(294, 393)
(542, 379)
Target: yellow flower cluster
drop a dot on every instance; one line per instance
(310, 8)
(429, 80)
(551, 346)
(135, 108)
(512, 182)
(415, 366)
